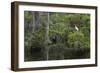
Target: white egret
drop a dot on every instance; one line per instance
(76, 28)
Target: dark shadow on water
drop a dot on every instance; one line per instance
(58, 54)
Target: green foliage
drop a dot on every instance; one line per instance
(28, 16)
(34, 38)
(77, 39)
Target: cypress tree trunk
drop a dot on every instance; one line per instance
(37, 17)
(35, 21)
(47, 35)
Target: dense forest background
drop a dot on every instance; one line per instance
(56, 36)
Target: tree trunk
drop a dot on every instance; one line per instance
(37, 17)
(35, 21)
(47, 35)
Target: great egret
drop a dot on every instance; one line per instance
(76, 28)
